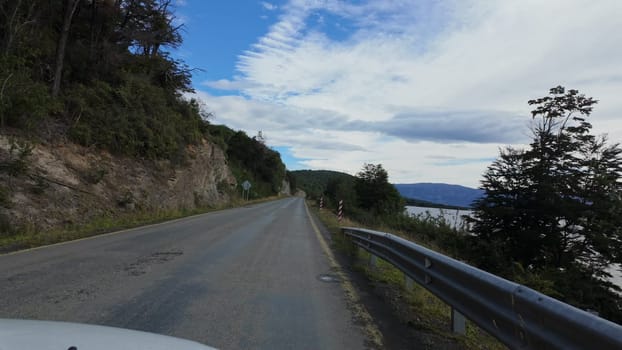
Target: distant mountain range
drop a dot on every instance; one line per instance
(453, 195)
(315, 182)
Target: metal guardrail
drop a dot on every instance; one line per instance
(518, 316)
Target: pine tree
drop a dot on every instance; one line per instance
(555, 208)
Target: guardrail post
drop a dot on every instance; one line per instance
(554, 325)
(408, 282)
(458, 322)
(373, 261)
(352, 250)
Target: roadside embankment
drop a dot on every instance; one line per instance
(51, 192)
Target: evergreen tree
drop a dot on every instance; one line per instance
(555, 208)
(375, 193)
(342, 188)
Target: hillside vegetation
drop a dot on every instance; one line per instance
(250, 160)
(100, 74)
(315, 182)
(95, 122)
(369, 199)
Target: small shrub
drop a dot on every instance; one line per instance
(223, 187)
(24, 102)
(6, 228)
(40, 186)
(95, 175)
(134, 118)
(17, 163)
(5, 197)
(127, 200)
(198, 199)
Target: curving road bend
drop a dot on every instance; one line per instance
(244, 278)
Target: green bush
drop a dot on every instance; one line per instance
(24, 102)
(40, 186)
(135, 119)
(94, 175)
(5, 197)
(6, 228)
(251, 160)
(17, 163)
(220, 135)
(126, 200)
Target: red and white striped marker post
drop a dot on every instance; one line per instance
(321, 203)
(340, 211)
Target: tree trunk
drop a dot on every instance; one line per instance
(93, 36)
(71, 7)
(8, 36)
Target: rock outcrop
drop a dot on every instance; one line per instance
(53, 185)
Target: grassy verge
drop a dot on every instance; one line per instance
(30, 237)
(413, 304)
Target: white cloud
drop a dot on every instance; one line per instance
(373, 91)
(268, 6)
(226, 84)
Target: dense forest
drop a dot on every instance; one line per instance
(100, 73)
(315, 182)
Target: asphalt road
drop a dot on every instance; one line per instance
(245, 278)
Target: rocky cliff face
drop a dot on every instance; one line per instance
(52, 185)
(285, 188)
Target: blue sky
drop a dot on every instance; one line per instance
(217, 32)
(429, 88)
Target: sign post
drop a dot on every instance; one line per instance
(246, 186)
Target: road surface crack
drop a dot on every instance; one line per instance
(141, 266)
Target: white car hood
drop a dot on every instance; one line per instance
(44, 335)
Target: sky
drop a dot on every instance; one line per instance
(430, 89)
